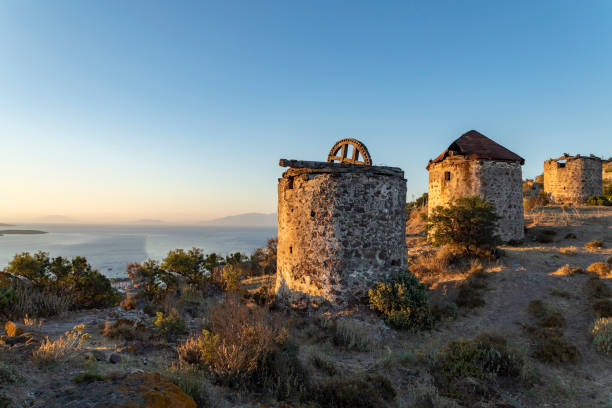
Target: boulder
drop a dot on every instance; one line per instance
(99, 355)
(114, 358)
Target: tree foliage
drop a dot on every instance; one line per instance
(469, 223)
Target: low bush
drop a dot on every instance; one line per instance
(469, 223)
(598, 201)
(602, 269)
(603, 307)
(232, 276)
(545, 236)
(323, 364)
(602, 335)
(192, 381)
(567, 270)
(570, 235)
(470, 295)
(170, 326)
(597, 288)
(368, 391)
(125, 329)
(153, 282)
(448, 312)
(540, 200)
(403, 302)
(74, 279)
(555, 349)
(545, 317)
(537, 309)
(9, 373)
(560, 293)
(62, 349)
(596, 244)
(87, 378)
(353, 335)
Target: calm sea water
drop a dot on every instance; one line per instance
(110, 248)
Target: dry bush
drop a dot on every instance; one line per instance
(555, 349)
(597, 288)
(597, 244)
(569, 251)
(241, 338)
(567, 270)
(126, 329)
(602, 335)
(192, 381)
(353, 335)
(602, 269)
(358, 391)
(62, 349)
(190, 352)
(38, 303)
(434, 263)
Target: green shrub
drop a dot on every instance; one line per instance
(369, 391)
(190, 264)
(469, 223)
(599, 201)
(170, 326)
(231, 278)
(403, 302)
(75, 280)
(484, 355)
(8, 297)
(603, 307)
(154, 283)
(602, 335)
(87, 378)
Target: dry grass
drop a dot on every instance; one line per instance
(353, 335)
(567, 270)
(602, 269)
(593, 245)
(62, 349)
(569, 251)
(602, 335)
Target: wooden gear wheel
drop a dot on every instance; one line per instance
(350, 151)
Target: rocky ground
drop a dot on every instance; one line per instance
(122, 372)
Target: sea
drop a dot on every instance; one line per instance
(110, 248)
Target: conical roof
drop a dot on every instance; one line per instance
(474, 145)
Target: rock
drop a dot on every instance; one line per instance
(12, 330)
(114, 358)
(99, 355)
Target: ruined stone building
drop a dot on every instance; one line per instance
(572, 179)
(341, 227)
(475, 165)
(606, 170)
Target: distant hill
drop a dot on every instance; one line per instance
(54, 219)
(147, 221)
(5, 225)
(245, 220)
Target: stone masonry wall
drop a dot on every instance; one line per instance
(498, 182)
(572, 179)
(339, 231)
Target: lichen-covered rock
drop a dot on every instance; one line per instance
(153, 391)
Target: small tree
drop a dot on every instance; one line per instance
(469, 223)
(190, 264)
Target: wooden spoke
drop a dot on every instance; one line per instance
(339, 153)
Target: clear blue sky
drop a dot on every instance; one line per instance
(119, 110)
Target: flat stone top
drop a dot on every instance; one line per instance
(302, 167)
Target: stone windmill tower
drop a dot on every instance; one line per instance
(341, 227)
(475, 165)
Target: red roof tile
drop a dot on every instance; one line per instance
(475, 145)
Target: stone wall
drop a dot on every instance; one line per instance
(572, 179)
(341, 228)
(498, 182)
(606, 171)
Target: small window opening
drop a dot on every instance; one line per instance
(312, 214)
(290, 183)
(447, 175)
(290, 250)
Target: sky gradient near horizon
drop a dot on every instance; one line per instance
(113, 111)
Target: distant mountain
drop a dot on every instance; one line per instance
(54, 219)
(6, 225)
(147, 221)
(245, 220)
